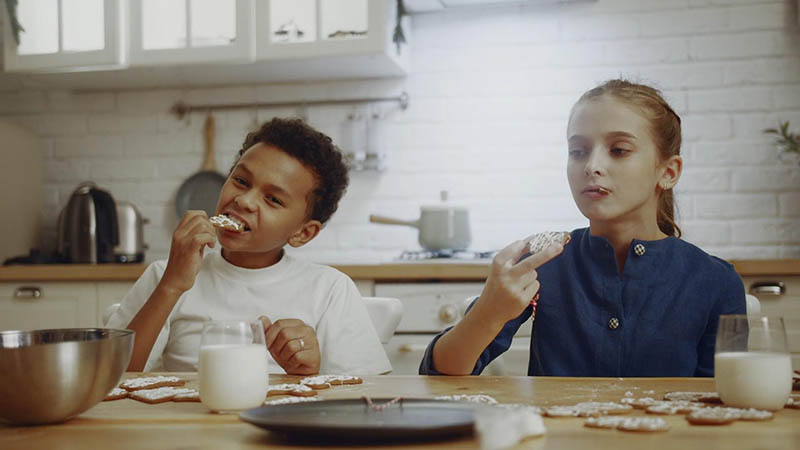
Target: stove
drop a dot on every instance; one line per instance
(454, 255)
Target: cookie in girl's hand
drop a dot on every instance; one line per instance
(540, 241)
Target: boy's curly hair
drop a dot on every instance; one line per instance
(315, 151)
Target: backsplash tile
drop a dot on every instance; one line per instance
(490, 92)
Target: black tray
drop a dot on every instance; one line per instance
(351, 419)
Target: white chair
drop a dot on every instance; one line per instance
(109, 312)
(385, 313)
(753, 305)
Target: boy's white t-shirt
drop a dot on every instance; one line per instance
(321, 296)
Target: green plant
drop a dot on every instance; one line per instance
(786, 141)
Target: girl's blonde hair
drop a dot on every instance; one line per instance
(665, 128)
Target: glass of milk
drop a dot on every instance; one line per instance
(752, 365)
(233, 370)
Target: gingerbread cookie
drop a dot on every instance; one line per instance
(714, 416)
(588, 409)
(227, 223)
(540, 241)
(603, 422)
(700, 397)
(643, 424)
(326, 381)
(116, 394)
(158, 395)
(639, 403)
(756, 415)
(193, 396)
(290, 400)
(298, 390)
(671, 407)
(135, 384)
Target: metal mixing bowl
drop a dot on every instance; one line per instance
(49, 376)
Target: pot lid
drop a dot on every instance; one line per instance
(443, 206)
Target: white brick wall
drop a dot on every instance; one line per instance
(490, 91)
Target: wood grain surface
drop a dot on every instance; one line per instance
(131, 424)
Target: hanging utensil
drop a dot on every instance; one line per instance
(201, 190)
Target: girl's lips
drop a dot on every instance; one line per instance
(596, 192)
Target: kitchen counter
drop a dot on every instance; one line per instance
(128, 423)
(393, 271)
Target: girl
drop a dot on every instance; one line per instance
(626, 297)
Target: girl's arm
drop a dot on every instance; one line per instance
(508, 291)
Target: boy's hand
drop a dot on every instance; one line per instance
(293, 345)
(191, 236)
(511, 285)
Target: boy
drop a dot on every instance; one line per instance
(285, 184)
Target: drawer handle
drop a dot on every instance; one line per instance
(27, 292)
(774, 288)
(410, 348)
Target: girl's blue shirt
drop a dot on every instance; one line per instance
(657, 319)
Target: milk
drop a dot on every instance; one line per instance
(760, 380)
(233, 377)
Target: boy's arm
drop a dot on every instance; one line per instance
(191, 236)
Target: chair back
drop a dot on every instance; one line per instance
(386, 313)
(109, 312)
(753, 305)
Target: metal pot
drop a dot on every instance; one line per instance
(440, 227)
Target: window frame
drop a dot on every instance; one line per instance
(243, 50)
(111, 56)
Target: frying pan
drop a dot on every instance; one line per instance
(201, 190)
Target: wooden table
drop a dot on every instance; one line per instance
(131, 424)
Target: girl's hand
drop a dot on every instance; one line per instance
(512, 285)
(293, 345)
(189, 240)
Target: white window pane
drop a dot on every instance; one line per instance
(213, 22)
(163, 24)
(344, 19)
(40, 20)
(293, 20)
(83, 25)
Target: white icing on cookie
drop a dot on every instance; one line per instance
(289, 400)
(143, 382)
(226, 222)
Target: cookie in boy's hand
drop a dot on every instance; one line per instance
(226, 223)
(540, 241)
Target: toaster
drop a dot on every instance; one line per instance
(87, 226)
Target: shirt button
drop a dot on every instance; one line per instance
(638, 249)
(613, 323)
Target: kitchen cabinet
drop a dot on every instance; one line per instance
(235, 42)
(38, 305)
(779, 295)
(63, 34)
(191, 31)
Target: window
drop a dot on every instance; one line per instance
(64, 35)
(187, 31)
